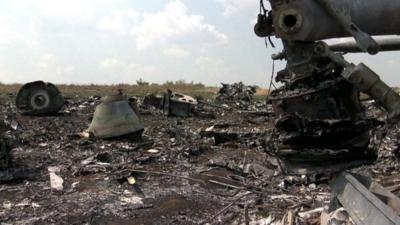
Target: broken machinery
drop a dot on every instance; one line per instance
(39, 98)
(236, 92)
(116, 117)
(172, 103)
(320, 116)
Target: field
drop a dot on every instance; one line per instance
(79, 91)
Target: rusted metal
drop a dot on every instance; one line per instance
(39, 98)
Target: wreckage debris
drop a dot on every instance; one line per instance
(320, 114)
(5, 148)
(366, 201)
(172, 104)
(177, 104)
(116, 117)
(153, 100)
(39, 98)
(56, 182)
(237, 92)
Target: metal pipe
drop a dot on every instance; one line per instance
(387, 44)
(367, 81)
(307, 20)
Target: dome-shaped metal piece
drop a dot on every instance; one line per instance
(39, 98)
(115, 117)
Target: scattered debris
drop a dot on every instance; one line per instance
(338, 217)
(56, 182)
(177, 104)
(39, 98)
(237, 92)
(180, 163)
(153, 100)
(174, 104)
(5, 148)
(366, 201)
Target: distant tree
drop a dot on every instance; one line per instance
(168, 83)
(141, 82)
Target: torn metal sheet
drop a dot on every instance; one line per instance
(177, 104)
(366, 201)
(222, 133)
(39, 98)
(153, 100)
(115, 117)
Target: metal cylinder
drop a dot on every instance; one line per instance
(114, 118)
(307, 20)
(367, 81)
(387, 44)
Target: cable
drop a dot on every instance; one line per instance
(271, 81)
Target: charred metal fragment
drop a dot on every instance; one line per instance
(177, 104)
(153, 100)
(320, 116)
(223, 133)
(236, 92)
(115, 117)
(39, 98)
(366, 201)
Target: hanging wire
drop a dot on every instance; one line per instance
(272, 80)
(270, 41)
(264, 12)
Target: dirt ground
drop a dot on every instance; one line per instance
(181, 175)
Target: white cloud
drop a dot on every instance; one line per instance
(71, 11)
(119, 21)
(50, 68)
(140, 70)
(109, 63)
(232, 7)
(14, 31)
(176, 52)
(207, 61)
(46, 61)
(174, 24)
(124, 69)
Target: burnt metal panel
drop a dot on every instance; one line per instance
(364, 207)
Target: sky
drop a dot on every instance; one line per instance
(122, 41)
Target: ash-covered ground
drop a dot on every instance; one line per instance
(185, 171)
